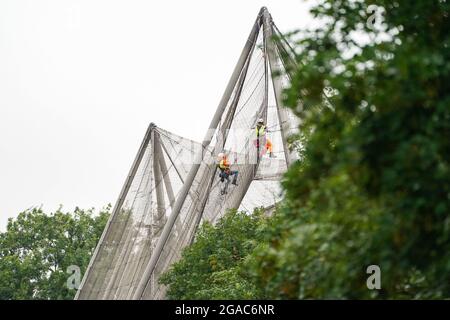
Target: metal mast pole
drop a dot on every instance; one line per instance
(277, 86)
(165, 171)
(160, 203)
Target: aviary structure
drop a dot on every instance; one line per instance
(173, 183)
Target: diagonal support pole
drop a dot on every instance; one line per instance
(225, 127)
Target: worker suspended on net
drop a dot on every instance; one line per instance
(262, 139)
(225, 171)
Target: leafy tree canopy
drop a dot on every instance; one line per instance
(212, 268)
(37, 248)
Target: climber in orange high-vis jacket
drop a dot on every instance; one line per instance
(225, 171)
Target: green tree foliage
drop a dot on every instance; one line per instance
(37, 248)
(372, 91)
(373, 186)
(212, 268)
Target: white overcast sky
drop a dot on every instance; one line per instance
(81, 80)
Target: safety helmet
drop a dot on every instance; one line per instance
(260, 120)
(221, 155)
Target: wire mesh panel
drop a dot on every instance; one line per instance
(154, 219)
(137, 220)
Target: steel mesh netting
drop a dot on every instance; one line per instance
(119, 266)
(134, 227)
